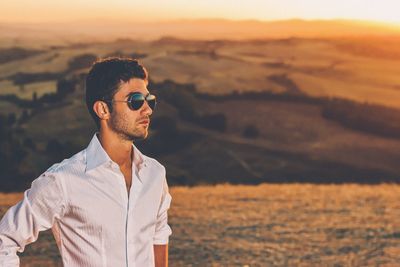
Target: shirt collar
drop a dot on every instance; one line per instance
(96, 155)
(138, 158)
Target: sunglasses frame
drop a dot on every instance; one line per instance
(149, 98)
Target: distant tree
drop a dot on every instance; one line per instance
(22, 78)
(81, 62)
(15, 53)
(138, 55)
(251, 131)
(51, 98)
(34, 97)
(65, 87)
(370, 118)
(35, 100)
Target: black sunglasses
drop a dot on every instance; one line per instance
(136, 100)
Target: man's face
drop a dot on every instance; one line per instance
(127, 123)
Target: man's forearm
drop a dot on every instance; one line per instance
(161, 255)
(8, 257)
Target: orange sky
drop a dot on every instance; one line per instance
(151, 10)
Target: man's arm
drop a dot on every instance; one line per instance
(161, 255)
(34, 213)
(162, 231)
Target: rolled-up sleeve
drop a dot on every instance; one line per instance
(40, 206)
(163, 230)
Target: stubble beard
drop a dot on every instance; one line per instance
(123, 128)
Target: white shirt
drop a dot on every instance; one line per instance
(85, 201)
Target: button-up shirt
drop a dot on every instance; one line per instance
(95, 222)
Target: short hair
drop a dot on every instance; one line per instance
(105, 77)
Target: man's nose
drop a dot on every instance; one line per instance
(146, 110)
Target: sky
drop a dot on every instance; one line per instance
(161, 10)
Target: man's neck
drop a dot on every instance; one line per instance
(119, 150)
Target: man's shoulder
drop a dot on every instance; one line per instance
(52, 180)
(154, 163)
(75, 163)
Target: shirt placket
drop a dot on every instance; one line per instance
(130, 234)
(126, 203)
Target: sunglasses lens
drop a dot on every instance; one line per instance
(151, 100)
(136, 101)
(136, 104)
(152, 103)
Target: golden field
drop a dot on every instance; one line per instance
(271, 225)
(359, 69)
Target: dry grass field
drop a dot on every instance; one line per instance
(271, 225)
(363, 70)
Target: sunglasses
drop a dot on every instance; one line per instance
(136, 100)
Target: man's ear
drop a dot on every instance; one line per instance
(101, 110)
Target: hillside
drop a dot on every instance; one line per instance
(287, 110)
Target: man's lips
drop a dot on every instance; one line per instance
(145, 121)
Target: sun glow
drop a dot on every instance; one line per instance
(152, 10)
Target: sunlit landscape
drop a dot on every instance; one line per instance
(278, 122)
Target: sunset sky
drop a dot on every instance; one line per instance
(152, 10)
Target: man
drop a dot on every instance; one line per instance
(106, 205)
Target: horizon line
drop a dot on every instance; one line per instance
(116, 20)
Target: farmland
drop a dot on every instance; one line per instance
(271, 225)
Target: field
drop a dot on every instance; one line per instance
(271, 225)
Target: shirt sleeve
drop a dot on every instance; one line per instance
(36, 212)
(163, 230)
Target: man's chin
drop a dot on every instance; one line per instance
(144, 136)
(139, 136)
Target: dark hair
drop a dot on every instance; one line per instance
(105, 78)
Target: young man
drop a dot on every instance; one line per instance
(107, 205)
